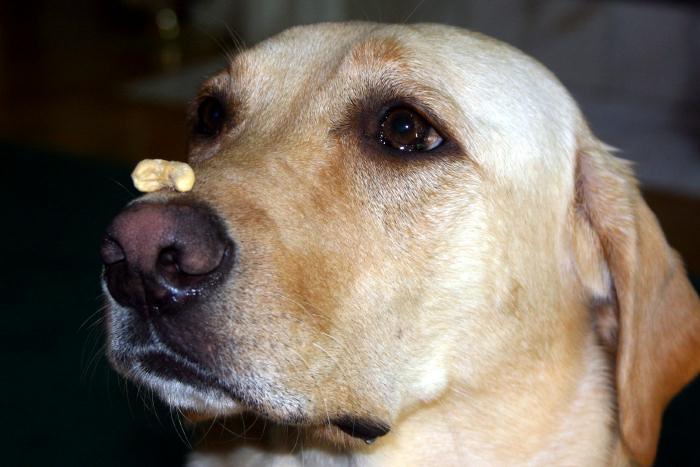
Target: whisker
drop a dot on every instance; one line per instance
(222, 425)
(206, 433)
(296, 441)
(415, 8)
(316, 385)
(182, 436)
(316, 317)
(346, 375)
(131, 193)
(238, 41)
(99, 311)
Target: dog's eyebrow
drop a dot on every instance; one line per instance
(384, 49)
(218, 82)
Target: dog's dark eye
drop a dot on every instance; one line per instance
(210, 116)
(405, 130)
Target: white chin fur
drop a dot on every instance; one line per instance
(183, 396)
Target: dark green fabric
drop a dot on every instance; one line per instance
(61, 404)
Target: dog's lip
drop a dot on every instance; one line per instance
(168, 366)
(366, 429)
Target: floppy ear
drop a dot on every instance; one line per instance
(651, 316)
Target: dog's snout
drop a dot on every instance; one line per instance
(160, 256)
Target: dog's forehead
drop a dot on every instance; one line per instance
(311, 65)
(506, 109)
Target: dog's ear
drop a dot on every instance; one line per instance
(650, 317)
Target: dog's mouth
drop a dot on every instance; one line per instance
(179, 371)
(179, 381)
(202, 395)
(174, 368)
(365, 429)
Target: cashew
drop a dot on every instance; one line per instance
(156, 174)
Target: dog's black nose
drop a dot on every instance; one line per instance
(160, 256)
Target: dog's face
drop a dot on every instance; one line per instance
(387, 211)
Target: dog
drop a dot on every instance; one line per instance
(404, 246)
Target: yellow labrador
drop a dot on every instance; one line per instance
(404, 246)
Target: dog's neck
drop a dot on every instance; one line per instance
(567, 420)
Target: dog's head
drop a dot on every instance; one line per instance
(382, 213)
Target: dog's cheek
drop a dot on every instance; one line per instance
(432, 380)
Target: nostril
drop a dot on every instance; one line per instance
(111, 252)
(194, 255)
(187, 267)
(168, 261)
(168, 273)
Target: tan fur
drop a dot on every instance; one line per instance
(658, 310)
(455, 297)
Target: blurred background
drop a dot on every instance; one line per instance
(89, 88)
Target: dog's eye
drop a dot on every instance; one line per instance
(211, 115)
(405, 130)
